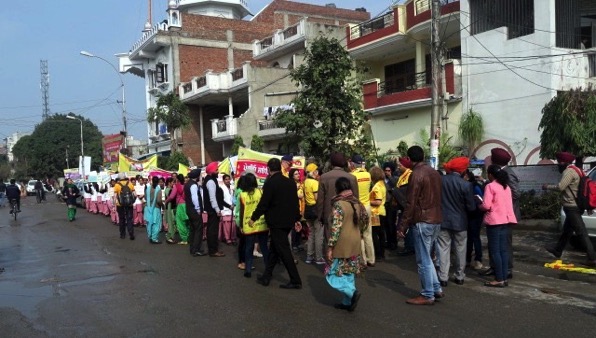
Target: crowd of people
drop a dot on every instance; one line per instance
(347, 216)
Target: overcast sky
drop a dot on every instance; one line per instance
(56, 31)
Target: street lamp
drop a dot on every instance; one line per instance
(82, 153)
(87, 54)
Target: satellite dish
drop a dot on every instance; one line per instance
(318, 124)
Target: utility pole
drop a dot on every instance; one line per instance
(436, 56)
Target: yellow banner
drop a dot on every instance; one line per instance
(127, 164)
(182, 169)
(256, 162)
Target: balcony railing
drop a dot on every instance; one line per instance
(187, 87)
(280, 38)
(201, 82)
(404, 82)
(224, 129)
(267, 125)
(237, 74)
(149, 34)
(373, 25)
(592, 65)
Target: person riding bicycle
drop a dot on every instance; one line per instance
(39, 190)
(14, 193)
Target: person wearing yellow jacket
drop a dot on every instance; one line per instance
(258, 231)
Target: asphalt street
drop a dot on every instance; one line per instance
(79, 279)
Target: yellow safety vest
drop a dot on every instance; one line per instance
(249, 204)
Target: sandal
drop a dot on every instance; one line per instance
(241, 266)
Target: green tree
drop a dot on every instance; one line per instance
(328, 110)
(402, 148)
(171, 162)
(471, 129)
(568, 123)
(257, 143)
(43, 153)
(238, 142)
(172, 112)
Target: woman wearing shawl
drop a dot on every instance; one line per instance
(71, 193)
(177, 195)
(152, 212)
(350, 219)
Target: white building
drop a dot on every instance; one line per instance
(11, 141)
(516, 56)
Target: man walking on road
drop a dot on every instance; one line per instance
(124, 211)
(279, 204)
(213, 199)
(423, 216)
(194, 210)
(574, 222)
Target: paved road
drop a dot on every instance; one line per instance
(79, 279)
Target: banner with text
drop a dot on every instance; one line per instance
(127, 164)
(256, 162)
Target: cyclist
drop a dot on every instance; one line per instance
(14, 193)
(2, 191)
(39, 190)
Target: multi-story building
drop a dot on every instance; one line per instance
(11, 141)
(396, 48)
(205, 49)
(518, 55)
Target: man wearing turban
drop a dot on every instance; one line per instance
(457, 199)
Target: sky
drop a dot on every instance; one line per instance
(57, 31)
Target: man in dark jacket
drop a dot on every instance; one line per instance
(213, 205)
(390, 206)
(279, 204)
(423, 216)
(456, 201)
(194, 210)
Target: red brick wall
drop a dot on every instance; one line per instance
(267, 15)
(214, 28)
(192, 141)
(194, 61)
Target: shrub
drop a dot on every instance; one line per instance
(546, 205)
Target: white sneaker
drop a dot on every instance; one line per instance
(257, 254)
(476, 265)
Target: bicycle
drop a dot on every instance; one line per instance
(13, 208)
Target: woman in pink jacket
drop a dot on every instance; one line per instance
(498, 219)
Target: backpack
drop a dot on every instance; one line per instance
(125, 197)
(586, 191)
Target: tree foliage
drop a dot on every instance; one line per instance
(471, 129)
(257, 143)
(172, 112)
(568, 123)
(238, 142)
(171, 162)
(43, 153)
(328, 113)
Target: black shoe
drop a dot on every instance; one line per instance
(355, 299)
(198, 254)
(154, 242)
(487, 272)
(458, 281)
(247, 275)
(291, 286)
(132, 237)
(443, 283)
(263, 281)
(341, 306)
(553, 251)
(122, 236)
(510, 275)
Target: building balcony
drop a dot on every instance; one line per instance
(419, 14)
(147, 44)
(215, 83)
(406, 89)
(269, 130)
(377, 32)
(280, 43)
(224, 129)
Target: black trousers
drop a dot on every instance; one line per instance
(241, 247)
(389, 226)
(125, 220)
(195, 235)
(378, 237)
(212, 232)
(280, 248)
(575, 223)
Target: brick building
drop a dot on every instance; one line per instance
(207, 51)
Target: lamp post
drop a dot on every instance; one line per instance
(82, 153)
(87, 54)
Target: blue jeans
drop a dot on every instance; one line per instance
(425, 236)
(260, 238)
(498, 245)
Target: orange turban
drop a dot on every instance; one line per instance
(458, 164)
